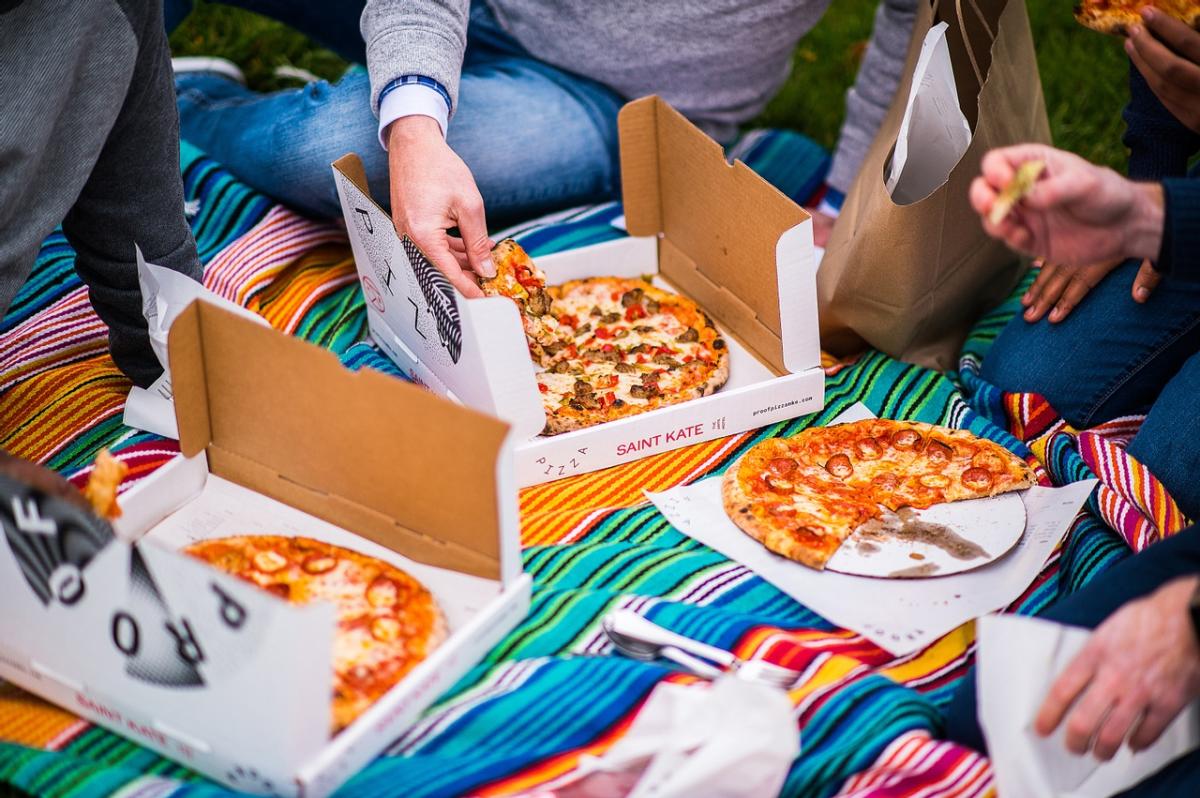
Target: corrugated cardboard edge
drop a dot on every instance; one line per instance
(266, 416)
(720, 223)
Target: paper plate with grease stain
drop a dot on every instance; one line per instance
(944, 539)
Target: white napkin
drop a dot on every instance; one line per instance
(165, 294)
(730, 739)
(1018, 660)
(934, 134)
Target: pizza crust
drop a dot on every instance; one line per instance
(739, 507)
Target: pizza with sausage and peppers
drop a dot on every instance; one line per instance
(801, 497)
(609, 347)
(387, 621)
(1118, 16)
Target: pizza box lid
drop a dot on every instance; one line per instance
(727, 238)
(425, 477)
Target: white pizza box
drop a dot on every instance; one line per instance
(706, 228)
(277, 438)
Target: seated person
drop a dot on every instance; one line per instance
(98, 153)
(1138, 670)
(1118, 341)
(512, 104)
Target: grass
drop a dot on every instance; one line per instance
(1083, 73)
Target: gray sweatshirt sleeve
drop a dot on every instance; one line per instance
(135, 195)
(871, 96)
(415, 37)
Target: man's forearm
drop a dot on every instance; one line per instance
(426, 39)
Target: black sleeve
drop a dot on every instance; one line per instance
(1159, 144)
(1180, 253)
(135, 196)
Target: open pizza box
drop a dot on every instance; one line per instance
(223, 677)
(705, 228)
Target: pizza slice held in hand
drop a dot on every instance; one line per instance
(524, 283)
(1118, 16)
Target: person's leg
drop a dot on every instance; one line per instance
(330, 24)
(1129, 579)
(536, 138)
(1169, 441)
(1110, 357)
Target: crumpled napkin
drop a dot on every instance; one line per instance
(728, 739)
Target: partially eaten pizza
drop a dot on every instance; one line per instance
(1118, 16)
(609, 347)
(801, 497)
(388, 622)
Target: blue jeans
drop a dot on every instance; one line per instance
(1113, 357)
(535, 137)
(1132, 578)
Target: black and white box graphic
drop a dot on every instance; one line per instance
(51, 539)
(157, 647)
(440, 300)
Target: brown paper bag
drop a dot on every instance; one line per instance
(910, 280)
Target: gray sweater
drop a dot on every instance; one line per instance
(718, 61)
(89, 138)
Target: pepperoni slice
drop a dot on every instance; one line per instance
(281, 589)
(935, 480)
(385, 630)
(781, 509)
(777, 483)
(269, 561)
(782, 466)
(977, 478)
(869, 449)
(988, 460)
(382, 592)
(938, 453)
(906, 438)
(319, 564)
(840, 466)
(886, 481)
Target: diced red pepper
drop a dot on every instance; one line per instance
(572, 351)
(616, 296)
(569, 320)
(634, 312)
(641, 359)
(688, 359)
(607, 348)
(603, 332)
(543, 388)
(609, 398)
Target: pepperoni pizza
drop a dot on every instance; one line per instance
(388, 622)
(801, 497)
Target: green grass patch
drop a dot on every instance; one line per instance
(1083, 73)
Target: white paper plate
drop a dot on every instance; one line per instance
(944, 539)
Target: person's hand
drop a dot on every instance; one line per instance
(433, 191)
(1167, 53)
(1059, 289)
(1076, 214)
(822, 227)
(1136, 672)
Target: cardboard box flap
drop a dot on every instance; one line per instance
(723, 229)
(370, 453)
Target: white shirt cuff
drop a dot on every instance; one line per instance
(825, 206)
(411, 99)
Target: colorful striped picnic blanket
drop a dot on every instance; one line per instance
(552, 692)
